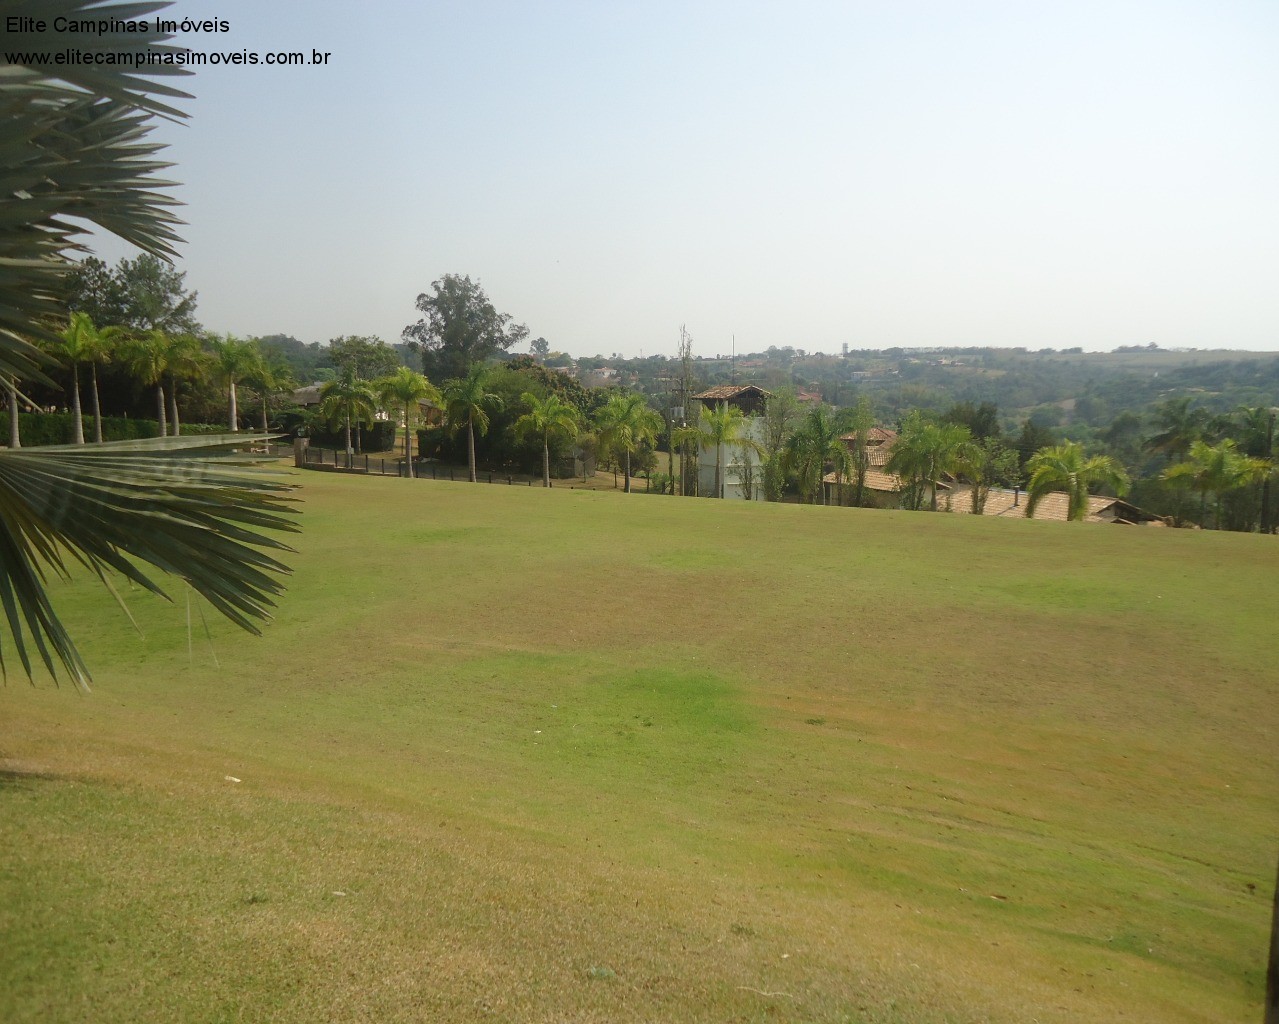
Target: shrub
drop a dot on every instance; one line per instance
(40, 428)
(378, 438)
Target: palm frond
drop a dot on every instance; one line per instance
(185, 505)
(111, 80)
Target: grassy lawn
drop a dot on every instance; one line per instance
(509, 754)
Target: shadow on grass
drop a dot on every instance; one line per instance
(21, 777)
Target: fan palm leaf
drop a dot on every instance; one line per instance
(105, 506)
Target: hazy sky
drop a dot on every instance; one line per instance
(808, 174)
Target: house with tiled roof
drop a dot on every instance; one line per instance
(1054, 506)
(881, 489)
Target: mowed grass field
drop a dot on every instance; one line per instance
(517, 755)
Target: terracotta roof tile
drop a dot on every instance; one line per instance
(1053, 506)
(722, 391)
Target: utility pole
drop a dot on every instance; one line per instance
(686, 387)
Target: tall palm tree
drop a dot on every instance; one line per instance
(923, 453)
(984, 463)
(859, 420)
(148, 360)
(78, 343)
(187, 362)
(233, 360)
(1217, 469)
(1064, 467)
(466, 402)
(82, 342)
(626, 423)
(11, 394)
(547, 417)
(76, 151)
(816, 444)
(269, 379)
(726, 426)
(1257, 439)
(346, 399)
(693, 436)
(408, 389)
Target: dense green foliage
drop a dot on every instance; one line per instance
(502, 447)
(459, 328)
(40, 428)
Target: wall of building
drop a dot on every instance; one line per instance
(732, 473)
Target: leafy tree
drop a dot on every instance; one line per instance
(370, 357)
(780, 416)
(981, 420)
(143, 294)
(467, 401)
(540, 347)
(1216, 469)
(923, 453)
(624, 425)
(1124, 438)
(92, 289)
(347, 400)
(459, 327)
(547, 417)
(285, 350)
(1034, 437)
(816, 444)
(1064, 467)
(76, 150)
(535, 376)
(408, 389)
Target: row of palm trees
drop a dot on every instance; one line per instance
(927, 451)
(622, 426)
(167, 363)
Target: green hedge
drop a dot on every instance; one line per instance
(38, 428)
(378, 438)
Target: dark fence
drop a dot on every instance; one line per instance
(340, 462)
(425, 469)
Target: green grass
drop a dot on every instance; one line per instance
(509, 754)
